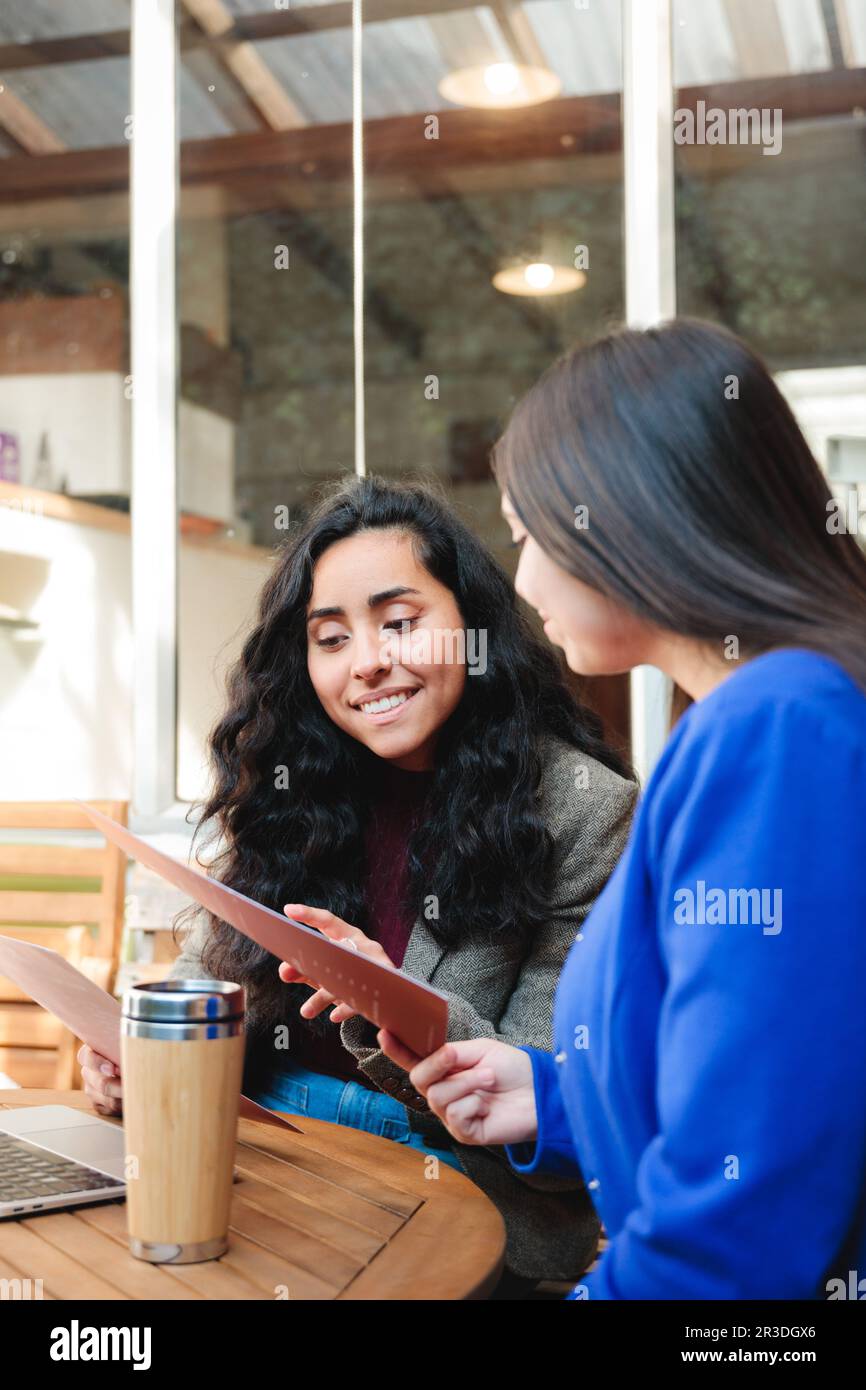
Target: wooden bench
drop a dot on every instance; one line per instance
(70, 898)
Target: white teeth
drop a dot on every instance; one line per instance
(387, 702)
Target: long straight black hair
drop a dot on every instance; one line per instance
(481, 847)
(706, 513)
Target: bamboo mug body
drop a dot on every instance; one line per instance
(182, 1057)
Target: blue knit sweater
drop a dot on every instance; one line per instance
(709, 1074)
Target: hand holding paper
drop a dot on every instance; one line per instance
(411, 1010)
(88, 1011)
(344, 934)
(101, 1081)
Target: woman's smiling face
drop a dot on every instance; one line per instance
(372, 623)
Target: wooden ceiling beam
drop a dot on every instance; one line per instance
(519, 33)
(28, 130)
(757, 35)
(246, 65)
(84, 48)
(565, 128)
(78, 48)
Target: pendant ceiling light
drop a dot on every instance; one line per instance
(497, 86)
(539, 278)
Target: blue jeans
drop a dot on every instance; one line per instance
(300, 1091)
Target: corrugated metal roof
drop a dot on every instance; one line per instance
(22, 21)
(316, 71)
(583, 47)
(86, 103)
(405, 59)
(704, 51)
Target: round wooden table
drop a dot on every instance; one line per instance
(330, 1213)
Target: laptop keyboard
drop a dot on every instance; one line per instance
(27, 1171)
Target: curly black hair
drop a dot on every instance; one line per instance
(481, 846)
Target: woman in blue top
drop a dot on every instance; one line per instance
(709, 1073)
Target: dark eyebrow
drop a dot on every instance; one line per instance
(374, 601)
(326, 613)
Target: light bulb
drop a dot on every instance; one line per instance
(501, 78)
(539, 275)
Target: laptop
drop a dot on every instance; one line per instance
(52, 1156)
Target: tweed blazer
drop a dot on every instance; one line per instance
(499, 991)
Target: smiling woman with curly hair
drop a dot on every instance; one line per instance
(444, 803)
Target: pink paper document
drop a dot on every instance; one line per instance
(87, 1010)
(413, 1011)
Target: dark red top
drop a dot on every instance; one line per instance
(399, 799)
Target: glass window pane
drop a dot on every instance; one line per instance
(771, 194)
(266, 270)
(461, 199)
(65, 621)
(266, 407)
(493, 228)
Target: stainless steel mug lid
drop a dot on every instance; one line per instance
(184, 1001)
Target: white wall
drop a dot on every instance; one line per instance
(65, 712)
(828, 402)
(84, 417)
(218, 593)
(66, 690)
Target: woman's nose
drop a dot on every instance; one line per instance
(523, 581)
(371, 655)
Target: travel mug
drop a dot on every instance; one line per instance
(182, 1057)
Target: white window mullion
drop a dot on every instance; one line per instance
(153, 348)
(650, 264)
